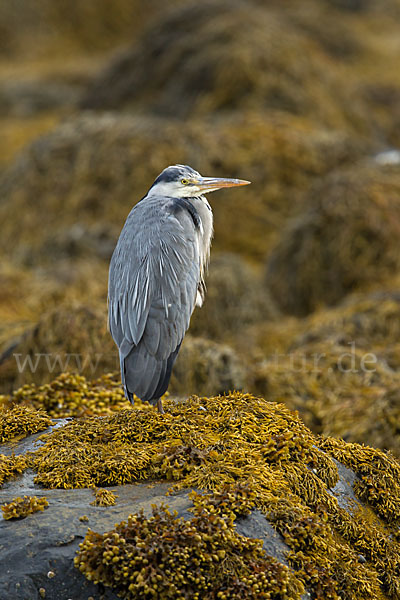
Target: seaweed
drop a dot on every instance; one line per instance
(163, 556)
(103, 498)
(21, 421)
(11, 466)
(71, 394)
(339, 368)
(19, 508)
(347, 239)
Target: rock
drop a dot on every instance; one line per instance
(52, 538)
(388, 157)
(306, 498)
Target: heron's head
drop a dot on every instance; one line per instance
(181, 181)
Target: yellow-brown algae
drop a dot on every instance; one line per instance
(71, 395)
(268, 459)
(20, 508)
(11, 466)
(103, 498)
(21, 420)
(164, 556)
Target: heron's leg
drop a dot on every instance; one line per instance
(160, 406)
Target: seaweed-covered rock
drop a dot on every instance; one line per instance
(390, 7)
(93, 168)
(371, 321)
(236, 298)
(65, 339)
(339, 368)
(76, 340)
(201, 561)
(36, 29)
(69, 395)
(207, 367)
(348, 238)
(27, 98)
(339, 390)
(243, 58)
(326, 511)
(27, 296)
(11, 466)
(21, 420)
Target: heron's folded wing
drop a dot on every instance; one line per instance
(154, 274)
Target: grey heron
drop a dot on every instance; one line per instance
(156, 277)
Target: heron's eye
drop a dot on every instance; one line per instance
(184, 181)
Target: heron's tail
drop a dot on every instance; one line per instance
(145, 375)
(128, 394)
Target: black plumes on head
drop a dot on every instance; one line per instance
(175, 173)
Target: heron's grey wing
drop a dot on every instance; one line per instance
(129, 283)
(154, 276)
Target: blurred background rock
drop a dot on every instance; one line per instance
(303, 99)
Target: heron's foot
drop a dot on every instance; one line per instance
(160, 407)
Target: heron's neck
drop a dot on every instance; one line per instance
(203, 208)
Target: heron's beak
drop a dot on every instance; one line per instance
(209, 184)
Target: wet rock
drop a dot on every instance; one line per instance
(52, 541)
